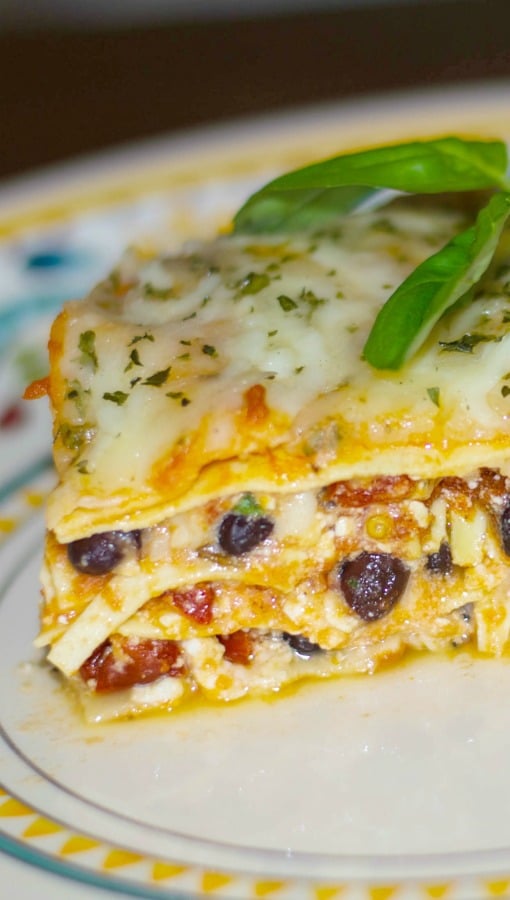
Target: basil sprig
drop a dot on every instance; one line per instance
(407, 318)
(341, 184)
(313, 194)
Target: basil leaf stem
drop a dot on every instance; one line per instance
(407, 318)
(310, 195)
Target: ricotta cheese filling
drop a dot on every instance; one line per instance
(243, 501)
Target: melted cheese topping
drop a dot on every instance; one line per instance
(237, 366)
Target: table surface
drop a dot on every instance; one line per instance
(66, 93)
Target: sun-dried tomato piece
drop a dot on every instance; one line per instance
(239, 647)
(196, 602)
(363, 492)
(456, 492)
(255, 403)
(491, 488)
(113, 666)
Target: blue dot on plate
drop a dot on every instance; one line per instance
(50, 259)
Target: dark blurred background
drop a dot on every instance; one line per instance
(81, 76)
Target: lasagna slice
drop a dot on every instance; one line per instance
(243, 502)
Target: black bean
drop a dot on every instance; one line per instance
(301, 644)
(239, 534)
(441, 563)
(505, 529)
(100, 553)
(372, 583)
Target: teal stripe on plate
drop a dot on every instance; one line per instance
(24, 477)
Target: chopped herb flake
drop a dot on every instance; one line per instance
(505, 390)
(142, 337)
(118, 397)
(253, 283)
(155, 293)
(134, 360)
(73, 436)
(209, 350)
(158, 378)
(248, 505)
(466, 343)
(87, 345)
(286, 303)
(433, 393)
(178, 395)
(311, 298)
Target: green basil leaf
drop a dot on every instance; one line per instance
(338, 185)
(407, 318)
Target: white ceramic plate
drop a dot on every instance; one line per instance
(391, 787)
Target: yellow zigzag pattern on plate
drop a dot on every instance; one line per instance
(207, 882)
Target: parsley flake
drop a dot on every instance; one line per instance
(466, 343)
(311, 298)
(286, 303)
(253, 282)
(73, 436)
(134, 360)
(209, 350)
(158, 378)
(433, 393)
(248, 505)
(142, 337)
(87, 345)
(155, 293)
(118, 397)
(178, 395)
